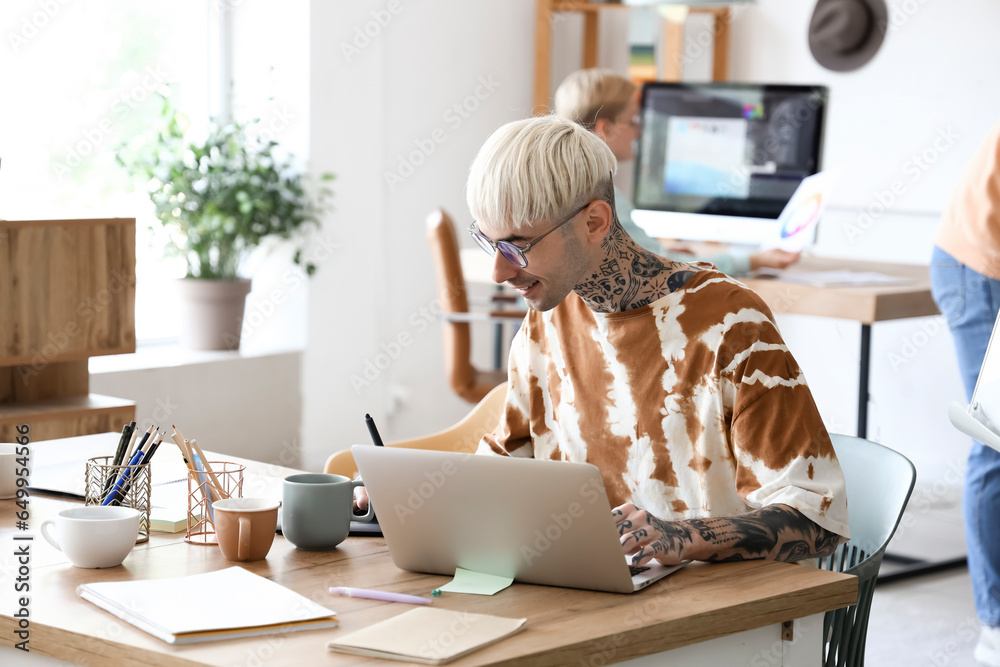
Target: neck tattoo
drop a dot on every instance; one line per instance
(629, 276)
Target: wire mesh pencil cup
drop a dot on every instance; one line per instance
(204, 489)
(131, 486)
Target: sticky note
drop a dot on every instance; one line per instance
(477, 583)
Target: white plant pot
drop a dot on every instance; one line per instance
(212, 313)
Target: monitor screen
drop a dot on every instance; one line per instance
(726, 149)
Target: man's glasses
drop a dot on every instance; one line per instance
(514, 253)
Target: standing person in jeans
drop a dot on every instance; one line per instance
(965, 281)
(606, 104)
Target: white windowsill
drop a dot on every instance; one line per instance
(171, 354)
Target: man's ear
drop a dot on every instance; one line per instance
(601, 126)
(599, 218)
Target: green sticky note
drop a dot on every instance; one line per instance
(477, 583)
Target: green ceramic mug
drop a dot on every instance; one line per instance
(317, 509)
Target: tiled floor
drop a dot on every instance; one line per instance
(930, 620)
(925, 621)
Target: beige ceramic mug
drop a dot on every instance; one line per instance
(245, 527)
(13, 465)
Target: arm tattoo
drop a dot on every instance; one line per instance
(776, 532)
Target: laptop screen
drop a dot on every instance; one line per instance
(986, 395)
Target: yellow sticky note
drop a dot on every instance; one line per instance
(477, 583)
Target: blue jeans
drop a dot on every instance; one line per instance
(970, 302)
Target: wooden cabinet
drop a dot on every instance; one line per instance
(672, 58)
(67, 293)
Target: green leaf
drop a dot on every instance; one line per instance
(220, 196)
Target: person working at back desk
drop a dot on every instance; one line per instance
(605, 103)
(671, 378)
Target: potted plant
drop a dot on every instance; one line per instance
(218, 198)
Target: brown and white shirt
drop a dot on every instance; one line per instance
(691, 406)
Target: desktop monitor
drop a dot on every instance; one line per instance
(718, 161)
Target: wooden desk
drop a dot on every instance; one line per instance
(707, 614)
(863, 304)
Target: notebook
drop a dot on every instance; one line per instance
(208, 607)
(981, 418)
(163, 520)
(538, 522)
(429, 636)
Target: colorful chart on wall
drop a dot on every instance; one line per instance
(801, 215)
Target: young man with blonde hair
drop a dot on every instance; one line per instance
(671, 378)
(606, 103)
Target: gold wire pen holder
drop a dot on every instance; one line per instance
(130, 486)
(204, 488)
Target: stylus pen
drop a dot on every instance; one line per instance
(370, 423)
(379, 595)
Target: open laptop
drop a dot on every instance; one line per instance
(540, 522)
(981, 418)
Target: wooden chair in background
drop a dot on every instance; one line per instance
(462, 437)
(469, 382)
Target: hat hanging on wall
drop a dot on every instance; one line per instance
(845, 34)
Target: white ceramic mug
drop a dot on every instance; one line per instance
(94, 536)
(11, 469)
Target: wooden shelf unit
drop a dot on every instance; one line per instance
(67, 293)
(672, 59)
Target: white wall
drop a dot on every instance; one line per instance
(370, 111)
(245, 406)
(373, 107)
(911, 119)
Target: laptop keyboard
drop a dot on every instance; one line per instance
(637, 569)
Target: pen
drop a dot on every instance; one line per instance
(123, 443)
(142, 443)
(153, 447)
(370, 423)
(378, 595)
(119, 455)
(123, 480)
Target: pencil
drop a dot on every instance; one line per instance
(208, 468)
(207, 490)
(182, 445)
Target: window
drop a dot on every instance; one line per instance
(78, 79)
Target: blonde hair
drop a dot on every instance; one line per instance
(589, 95)
(536, 170)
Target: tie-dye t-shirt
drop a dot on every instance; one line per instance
(691, 406)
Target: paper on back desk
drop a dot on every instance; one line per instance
(67, 477)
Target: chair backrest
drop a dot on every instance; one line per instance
(879, 482)
(462, 437)
(453, 298)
